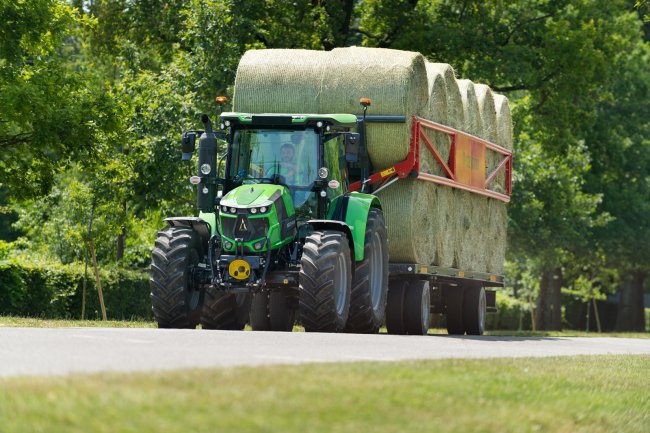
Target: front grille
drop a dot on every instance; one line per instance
(244, 228)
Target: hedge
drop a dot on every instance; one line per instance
(512, 314)
(53, 291)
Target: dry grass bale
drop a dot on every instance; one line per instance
(279, 81)
(396, 81)
(446, 224)
(406, 205)
(436, 110)
(498, 218)
(504, 121)
(473, 122)
(455, 112)
(485, 99)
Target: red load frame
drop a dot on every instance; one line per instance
(467, 176)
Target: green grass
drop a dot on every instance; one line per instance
(32, 322)
(582, 394)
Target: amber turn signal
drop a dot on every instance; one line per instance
(222, 100)
(366, 102)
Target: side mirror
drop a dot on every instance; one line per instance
(188, 144)
(352, 146)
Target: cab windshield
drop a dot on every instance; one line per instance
(289, 157)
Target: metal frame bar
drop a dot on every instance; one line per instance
(410, 167)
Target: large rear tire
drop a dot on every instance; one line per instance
(225, 310)
(175, 302)
(474, 310)
(370, 282)
(271, 311)
(454, 302)
(325, 278)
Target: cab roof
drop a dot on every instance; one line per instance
(279, 119)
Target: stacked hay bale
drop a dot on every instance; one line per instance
(427, 223)
(497, 213)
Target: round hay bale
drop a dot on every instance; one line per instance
(436, 110)
(395, 81)
(473, 122)
(279, 81)
(485, 99)
(498, 217)
(407, 207)
(504, 121)
(455, 112)
(446, 225)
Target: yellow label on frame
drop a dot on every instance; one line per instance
(387, 172)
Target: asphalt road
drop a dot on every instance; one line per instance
(36, 351)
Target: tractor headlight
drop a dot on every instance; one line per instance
(205, 169)
(233, 210)
(228, 245)
(253, 210)
(224, 208)
(258, 245)
(263, 209)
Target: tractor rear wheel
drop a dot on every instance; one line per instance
(474, 310)
(325, 278)
(225, 310)
(270, 311)
(176, 302)
(454, 301)
(370, 281)
(417, 307)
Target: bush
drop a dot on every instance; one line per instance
(512, 314)
(50, 290)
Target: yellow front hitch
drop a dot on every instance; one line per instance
(239, 269)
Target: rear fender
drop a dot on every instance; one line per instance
(353, 209)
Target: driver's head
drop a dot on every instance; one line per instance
(287, 152)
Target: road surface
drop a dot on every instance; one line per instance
(61, 351)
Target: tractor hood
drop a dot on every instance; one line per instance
(252, 195)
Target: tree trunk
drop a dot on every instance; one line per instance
(548, 314)
(630, 315)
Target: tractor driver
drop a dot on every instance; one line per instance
(287, 166)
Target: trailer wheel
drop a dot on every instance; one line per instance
(395, 307)
(325, 277)
(417, 311)
(225, 310)
(474, 310)
(270, 311)
(454, 302)
(370, 281)
(175, 302)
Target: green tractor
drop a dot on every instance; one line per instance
(280, 236)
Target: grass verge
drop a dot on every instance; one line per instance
(32, 322)
(581, 394)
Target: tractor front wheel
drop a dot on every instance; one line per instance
(325, 278)
(175, 300)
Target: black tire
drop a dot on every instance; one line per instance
(395, 307)
(474, 310)
(454, 302)
(325, 278)
(281, 315)
(174, 302)
(370, 282)
(270, 311)
(260, 311)
(225, 310)
(417, 307)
